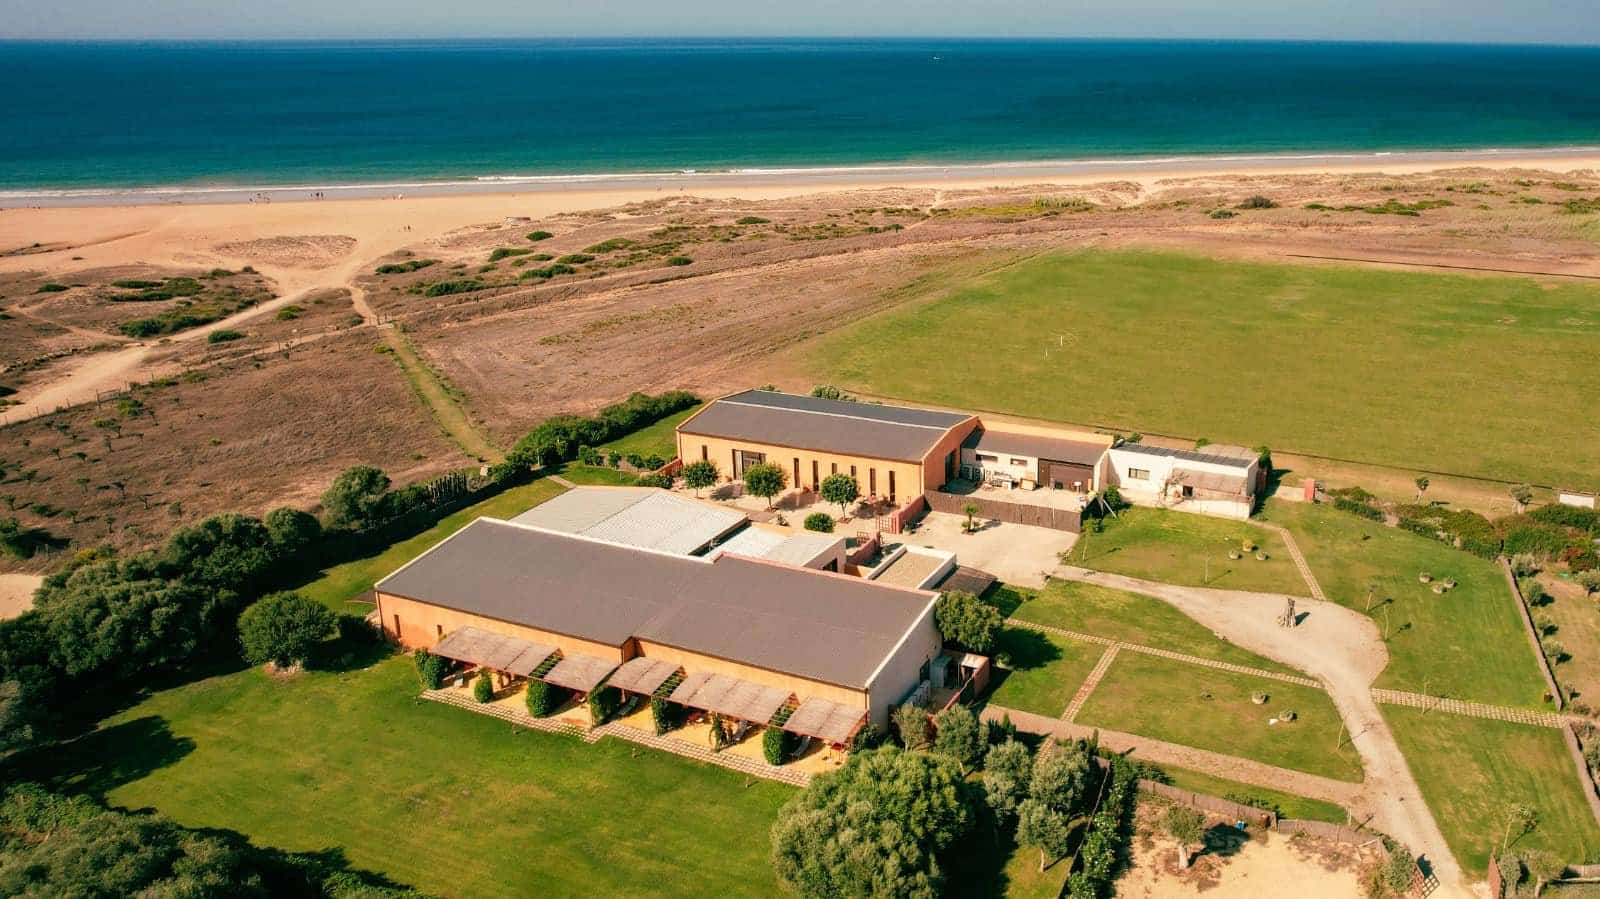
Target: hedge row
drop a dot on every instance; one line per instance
(1357, 507)
(557, 439)
(1107, 837)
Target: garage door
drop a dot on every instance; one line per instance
(1064, 474)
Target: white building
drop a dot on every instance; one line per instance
(1215, 479)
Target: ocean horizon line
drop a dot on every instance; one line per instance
(865, 173)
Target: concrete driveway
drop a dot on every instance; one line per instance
(1015, 553)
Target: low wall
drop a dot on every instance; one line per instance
(998, 510)
(1585, 776)
(1227, 808)
(1533, 635)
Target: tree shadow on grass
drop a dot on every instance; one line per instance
(977, 865)
(103, 760)
(1026, 649)
(357, 647)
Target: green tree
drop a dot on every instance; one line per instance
(775, 745)
(1060, 779)
(355, 498)
(765, 480)
(971, 510)
(1521, 820)
(958, 735)
(291, 530)
(912, 723)
(697, 476)
(1043, 828)
(875, 827)
(16, 727)
(430, 669)
(116, 617)
(1188, 827)
(1007, 769)
(1545, 866)
(225, 552)
(483, 687)
(284, 629)
(1422, 487)
(967, 621)
(841, 490)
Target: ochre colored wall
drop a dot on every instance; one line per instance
(803, 688)
(422, 624)
(907, 475)
(933, 465)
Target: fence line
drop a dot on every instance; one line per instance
(999, 510)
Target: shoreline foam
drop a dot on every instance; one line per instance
(837, 176)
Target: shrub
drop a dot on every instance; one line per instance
(1588, 580)
(52, 288)
(356, 495)
(483, 687)
(1523, 534)
(557, 439)
(575, 258)
(967, 621)
(400, 268)
(611, 246)
(776, 745)
(500, 253)
(655, 480)
(224, 335)
(1581, 519)
(1258, 202)
(679, 260)
(603, 702)
(284, 629)
(751, 220)
(537, 236)
(291, 530)
(542, 699)
(1524, 565)
(1357, 507)
(1580, 558)
(821, 522)
(430, 669)
(1222, 213)
(959, 735)
(912, 724)
(446, 288)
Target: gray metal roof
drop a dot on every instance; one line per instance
(637, 516)
(803, 422)
(826, 627)
(790, 549)
(1232, 456)
(1077, 452)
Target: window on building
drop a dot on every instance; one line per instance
(797, 471)
(1188, 491)
(705, 453)
(872, 481)
(815, 481)
(1022, 462)
(438, 630)
(397, 625)
(1138, 474)
(985, 457)
(891, 485)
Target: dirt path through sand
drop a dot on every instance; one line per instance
(1344, 650)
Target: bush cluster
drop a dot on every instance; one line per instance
(603, 703)
(543, 698)
(1358, 507)
(447, 288)
(1107, 837)
(820, 522)
(557, 439)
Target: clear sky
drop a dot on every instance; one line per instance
(1497, 21)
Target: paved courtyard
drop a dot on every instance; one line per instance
(1015, 553)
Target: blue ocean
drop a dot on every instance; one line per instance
(116, 115)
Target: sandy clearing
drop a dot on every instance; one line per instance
(1344, 649)
(1266, 864)
(16, 593)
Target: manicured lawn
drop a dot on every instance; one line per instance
(342, 583)
(1575, 618)
(444, 800)
(1287, 805)
(659, 439)
(1046, 670)
(1131, 618)
(1471, 769)
(595, 475)
(1166, 700)
(1184, 548)
(1418, 370)
(1466, 644)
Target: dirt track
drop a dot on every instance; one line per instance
(1344, 650)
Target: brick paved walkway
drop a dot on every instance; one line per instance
(792, 776)
(1298, 558)
(1461, 707)
(1169, 654)
(1090, 682)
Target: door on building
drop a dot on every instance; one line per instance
(743, 459)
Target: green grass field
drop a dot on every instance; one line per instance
(342, 583)
(1471, 769)
(441, 799)
(1184, 548)
(1164, 699)
(1287, 805)
(596, 475)
(659, 439)
(1046, 670)
(1131, 618)
(1445, 372)
(1466, 644)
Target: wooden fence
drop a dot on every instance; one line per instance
(999, 510)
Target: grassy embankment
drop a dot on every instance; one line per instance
(1184, 548)
(1444, 372)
